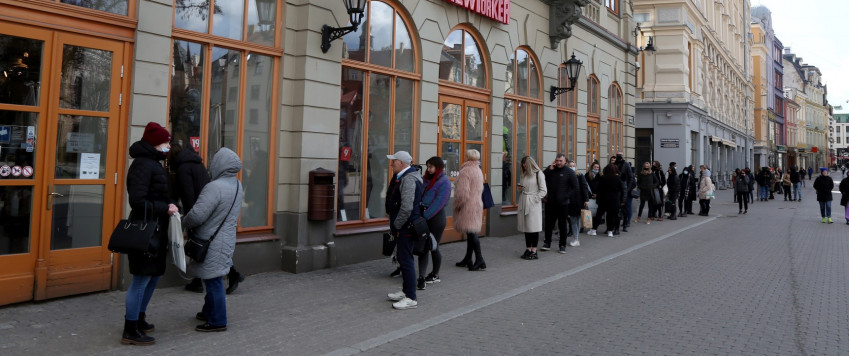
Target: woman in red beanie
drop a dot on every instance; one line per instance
(147, 186)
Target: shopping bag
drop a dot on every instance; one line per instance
(586, 219)
(593, 206)
(175, 237)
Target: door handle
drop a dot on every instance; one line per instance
(56, 194)
(50, 195)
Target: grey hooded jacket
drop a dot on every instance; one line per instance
(211, 209)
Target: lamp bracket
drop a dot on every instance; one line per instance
(555, 91)
(330, 34)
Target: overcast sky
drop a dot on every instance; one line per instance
(812, 30)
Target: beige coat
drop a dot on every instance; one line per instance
(530, 203)
(468, 201)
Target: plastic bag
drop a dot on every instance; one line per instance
(593, 206)
(175, 237)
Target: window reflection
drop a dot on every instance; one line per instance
(354, 43)
(451, 63)
(86, 78)
(77, 216)
(114, 6)
(81, 147)
(223, 100)
(15, 219)
(349, 192)
(380, 26)
(475, 73)
(379, 133)
(192, 15)
(255, 144)
(404, 103)
(262, 19)
(227, 19)
(522, 72)
(20, 70)
(186, 93)
(507, 155)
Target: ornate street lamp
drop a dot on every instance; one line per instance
(573, 69)
(356, 9)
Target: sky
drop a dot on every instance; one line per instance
(812, 30)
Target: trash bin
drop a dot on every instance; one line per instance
(322, 194)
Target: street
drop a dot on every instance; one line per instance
(770, 282)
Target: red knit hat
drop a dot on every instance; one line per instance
(155, 135)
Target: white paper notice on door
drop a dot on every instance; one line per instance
(89, 165)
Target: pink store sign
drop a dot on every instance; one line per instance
(498, 10)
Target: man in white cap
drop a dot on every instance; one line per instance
(404, 193)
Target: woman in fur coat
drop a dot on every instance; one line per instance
(468, 209)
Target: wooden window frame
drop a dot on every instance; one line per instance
(612, 6)
(368, 70)
(245, 48)
(567, 117)
(529, 100)
(593, 98)
(615, 128)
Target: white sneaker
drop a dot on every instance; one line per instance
(397, 296)
(574, 243)
(405, 303)
(610, 234)
(592, 233)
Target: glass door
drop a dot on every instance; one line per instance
(462, 126)
(81, 166)
(593, 143)
(24, 57)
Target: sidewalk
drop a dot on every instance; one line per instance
(342, 309)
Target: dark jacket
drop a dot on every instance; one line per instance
(561, 184)
(823, 185)
(687, 182)
(764, 177)
(741, 184)
(592, 182)
(626, 174)
(646, 183)
(579, 196)
(147, 187)
(191, 177)
(844, 191)
(673, 185)
(661, 179)
(751, 181)
(611, 191)
(794, 176)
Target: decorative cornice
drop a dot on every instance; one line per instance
(561, 15)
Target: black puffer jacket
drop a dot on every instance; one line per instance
(579, 196)
(191, 177)
(562, 183)
(823, 185)
(147, 186)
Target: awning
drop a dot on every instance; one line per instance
(729, 143)
(715, 139)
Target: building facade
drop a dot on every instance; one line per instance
(434, 78)
(839, 133)
(769, 113)
(694, 91)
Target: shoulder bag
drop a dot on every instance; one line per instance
(487, 197)
(135, 236)
(197, 248)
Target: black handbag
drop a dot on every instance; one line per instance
(135, 236)
(388, 244)
(197, 248)
(487, 197)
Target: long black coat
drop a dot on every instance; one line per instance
(687, 182)
(562, 184)
(823, 185)
(579, 196)
(147, 187)
(611, 191)
(844, 191)
(191, 177)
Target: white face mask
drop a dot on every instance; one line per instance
(165, 149)
(595, 171)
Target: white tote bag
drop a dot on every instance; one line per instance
(175, 236)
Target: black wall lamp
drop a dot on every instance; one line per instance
(356, 9)
(573, 69)
(650, 45)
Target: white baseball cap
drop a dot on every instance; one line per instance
(402, 156)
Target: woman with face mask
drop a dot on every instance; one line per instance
(687, 182)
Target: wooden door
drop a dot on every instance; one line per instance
(463, 125)
(593, 141)
(60, 138)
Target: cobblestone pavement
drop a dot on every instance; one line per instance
(770, 282)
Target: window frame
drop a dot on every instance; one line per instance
(567, 116)
(612, 6)
(245, 48)
(530, 101)
(615, 128)
(368, 69)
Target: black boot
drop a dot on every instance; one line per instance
(233, 280)
(467, 260)
(143, 325)
(132, 335)
(195, 286)
(616, 231)
(479, 265)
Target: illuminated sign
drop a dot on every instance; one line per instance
(498, 10)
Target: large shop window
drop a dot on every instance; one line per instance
(567, 117)
(522, 119)
(593, 119)
(223, 92)
(376, 111)
(614, 119)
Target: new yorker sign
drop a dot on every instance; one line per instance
(498, 10)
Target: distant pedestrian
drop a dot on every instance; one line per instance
(468, 209)
(578, 201)
(796, 180)
(787, 186)
(628, 176)
(673, 189)
(844, 197)
(647, 182)
(764, 178)
(810, 172)
(437, 192)
(802, 174)
(561, 183)
(611, 196)
(706, 190)
(403, 197)
(687, 182)
(593, 178)
(529, 213)
(823, 185)
(741, 189)
(216, 214)
(751, 178)
(147, 188)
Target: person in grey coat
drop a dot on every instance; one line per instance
(222, 195)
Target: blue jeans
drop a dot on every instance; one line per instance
(797, 192)
(764, 192)
(215, 302)
(575, 221)
(629, 210)
(825, 209)
(138, 296)
(408, 267)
